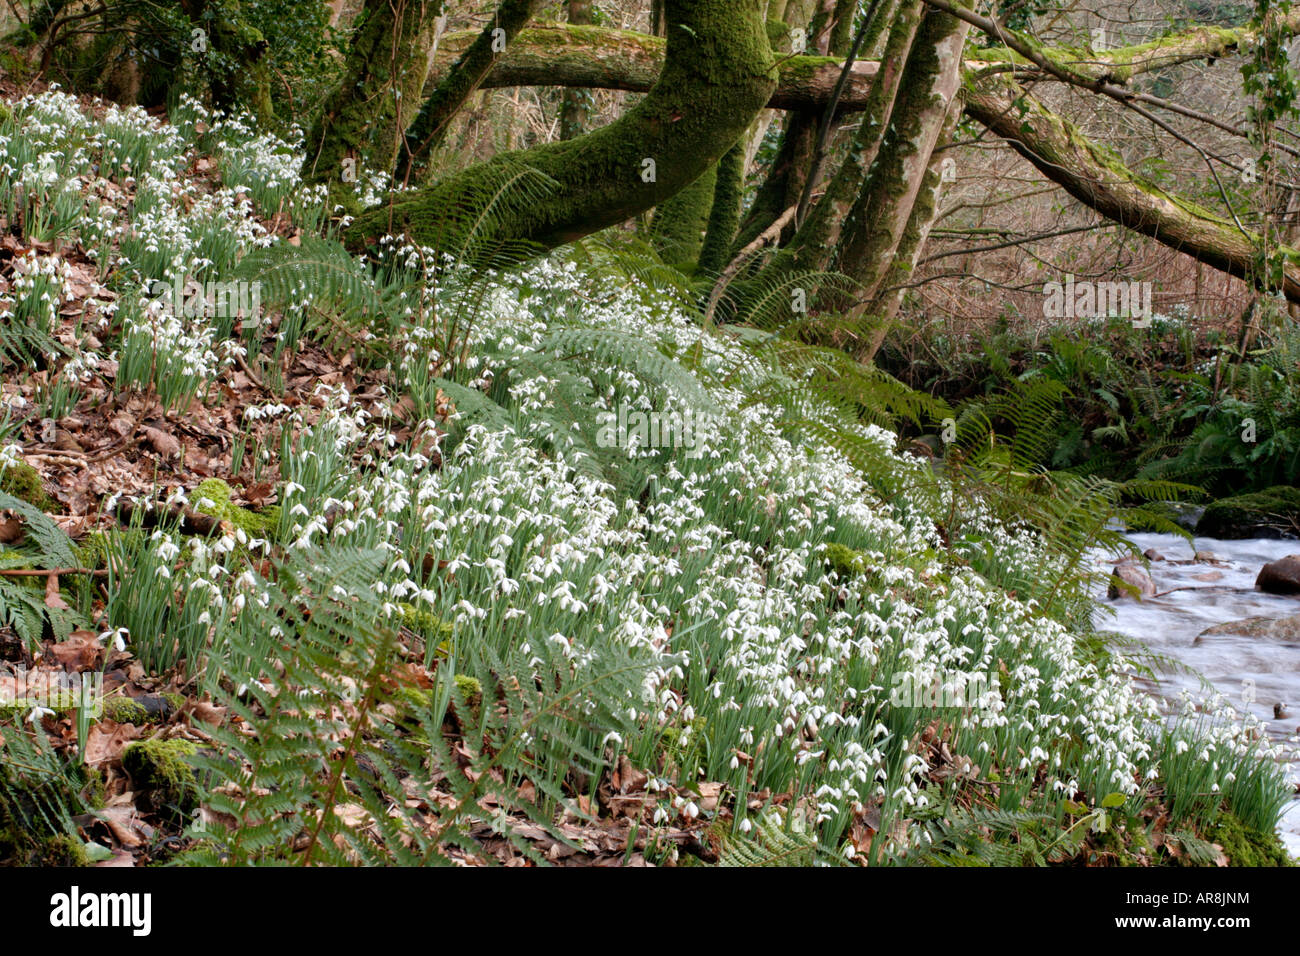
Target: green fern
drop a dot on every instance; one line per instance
(388, 787)
(22, 599)
(771, 845)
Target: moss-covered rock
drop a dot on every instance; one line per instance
(146, 709)
(1271, 513)
(25, 850)
(844, 561)
(23, 481)
(1246, 846)
(212, 497)
(124, 710)
(161, 766)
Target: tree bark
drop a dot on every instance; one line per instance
(473, 66)
(880, 313)
(677, 228)
(882, 210)
(575, 107)
(724, 217)
(788, 175)
(717, 75)
(815, 246)
(383, 74)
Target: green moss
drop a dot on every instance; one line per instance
(36, 807)
(1265, 513)
(425, 623)
(1127, 846)
(24, 482)
(124, 710)
(677, 229)
(470, 687)
(92, 550)
(717, 76)
(59, 850)
(161, 766)
(724, 217)
(212, 497)
(1246, 846)
(471, 691)
(843, 560)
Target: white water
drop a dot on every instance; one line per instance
(1168, 625)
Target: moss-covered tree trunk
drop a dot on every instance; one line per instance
(575, 107)
(724, 216)
(881, 311)
(383, 75)
(677, 228)
(871, 235)
(788, 174)
(717, 75)
(435, 116)
(812, 247)
(815, 246)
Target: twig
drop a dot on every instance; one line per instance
(768, 236)
(248, 370)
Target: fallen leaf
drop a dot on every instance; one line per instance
(209, 713)
(81, 651)
(120, 858)
(163, 443)
(106, 740)
(52, 597)
(11, 530)
(123, 822)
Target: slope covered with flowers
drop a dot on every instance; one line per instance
(854, 663)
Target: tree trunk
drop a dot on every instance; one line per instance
(383, 74)
(815, 246)
(788, 175)
(677, 229)
(575, 107)
(465, 77)
(883, 309)
(1094, 175)
(716, 77)
(882, 210)
(724, 217)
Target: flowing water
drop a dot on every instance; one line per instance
(1216, 593)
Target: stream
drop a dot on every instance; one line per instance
(1168, 624)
